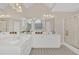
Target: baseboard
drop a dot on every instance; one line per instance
(75, 50)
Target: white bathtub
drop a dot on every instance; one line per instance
(15, 44)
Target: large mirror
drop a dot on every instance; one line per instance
(29, 26)
(38, 25)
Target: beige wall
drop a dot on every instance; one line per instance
(71, 29)
(60, 18)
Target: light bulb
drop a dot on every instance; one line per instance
(17, 4)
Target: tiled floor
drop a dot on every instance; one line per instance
(52, 51)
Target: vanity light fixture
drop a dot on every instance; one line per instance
(38, 21)
(17, 4)
(48, 16)
(7, 15)
(4, 16)
(17, 7)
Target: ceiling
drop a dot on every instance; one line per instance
(66, 7)
(58, 7)
(32, 10)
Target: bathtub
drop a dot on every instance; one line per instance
(11, 44)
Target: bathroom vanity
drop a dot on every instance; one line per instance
(46, 41)
(20, 44)
(12, 44)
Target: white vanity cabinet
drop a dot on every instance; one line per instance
(46, 41)
(15, 44)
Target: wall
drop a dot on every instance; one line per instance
(71, 29)
(60, 18)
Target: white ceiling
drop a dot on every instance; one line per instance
(62, 7)
(67, 7)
